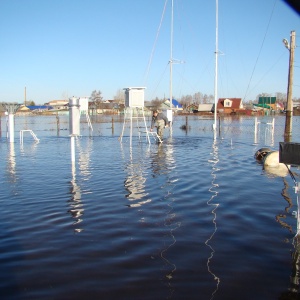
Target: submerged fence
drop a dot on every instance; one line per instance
(256, 128)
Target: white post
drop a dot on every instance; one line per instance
(74, 124)
(147, 133)
(272, 132)
(74, 116)
(216, 72)
(273, 126)
(125, 116)
(170, 118)
(11, 128)
(256, 123)
(171, 56)
(255, 126)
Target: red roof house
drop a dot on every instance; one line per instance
(230, 105)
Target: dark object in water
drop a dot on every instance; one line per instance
(185, 127)
(261, 153)
(289, 153)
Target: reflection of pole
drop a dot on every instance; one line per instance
(11, 128)
(255, 130)
(212, 203)
(289, 109)
(72, 149)
(12, 160)
(57, 123)
(131, 126)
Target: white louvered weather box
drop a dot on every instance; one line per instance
(134, 96)
(84, 104)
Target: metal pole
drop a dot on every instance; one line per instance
(216, 73)
(171, 56)
(289, 109)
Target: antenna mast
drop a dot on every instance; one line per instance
(216, 73)
(171, 56)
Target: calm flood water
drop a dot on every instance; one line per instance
(193, 218)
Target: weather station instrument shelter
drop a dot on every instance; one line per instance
(134, 97)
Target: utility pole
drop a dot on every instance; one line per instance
(289, 108)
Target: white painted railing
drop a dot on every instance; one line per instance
(31, 132)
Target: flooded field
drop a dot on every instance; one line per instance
(192, 218)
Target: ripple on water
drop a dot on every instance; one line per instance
(189, 217)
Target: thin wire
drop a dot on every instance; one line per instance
(159, 81)
(267, 72)
(292, 175)
(260, 49)
(154, 45)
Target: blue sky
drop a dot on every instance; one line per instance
(63, 48)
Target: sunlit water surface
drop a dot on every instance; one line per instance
(193, 218)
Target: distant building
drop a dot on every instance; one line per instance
(39, 107)
(34, 108)
(192, 108)
(58, 104)
(167, 105)
(207, 107)
(267, 102)
(230, 105)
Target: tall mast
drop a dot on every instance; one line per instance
(216, 72)
(171, 56)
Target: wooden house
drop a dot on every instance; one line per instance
(205, 108)
(192, 108)
(230, 105)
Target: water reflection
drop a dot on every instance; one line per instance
(211, 202)
(267, 130)
(31, 150)
(84, 156)
(76, 206)
(281, 217)
(295, 276)
(11, 168)
(158, 163)
(293, 290)
(135, 182)
(164, 164)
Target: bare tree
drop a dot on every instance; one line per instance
(156, 102)
(211, 99)
(197, 98)
(65, 95)
(263, 95)
(120, 96)
(30, 103)
(205, 99)
(281, 97)
(186, 100)
(96, 97)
